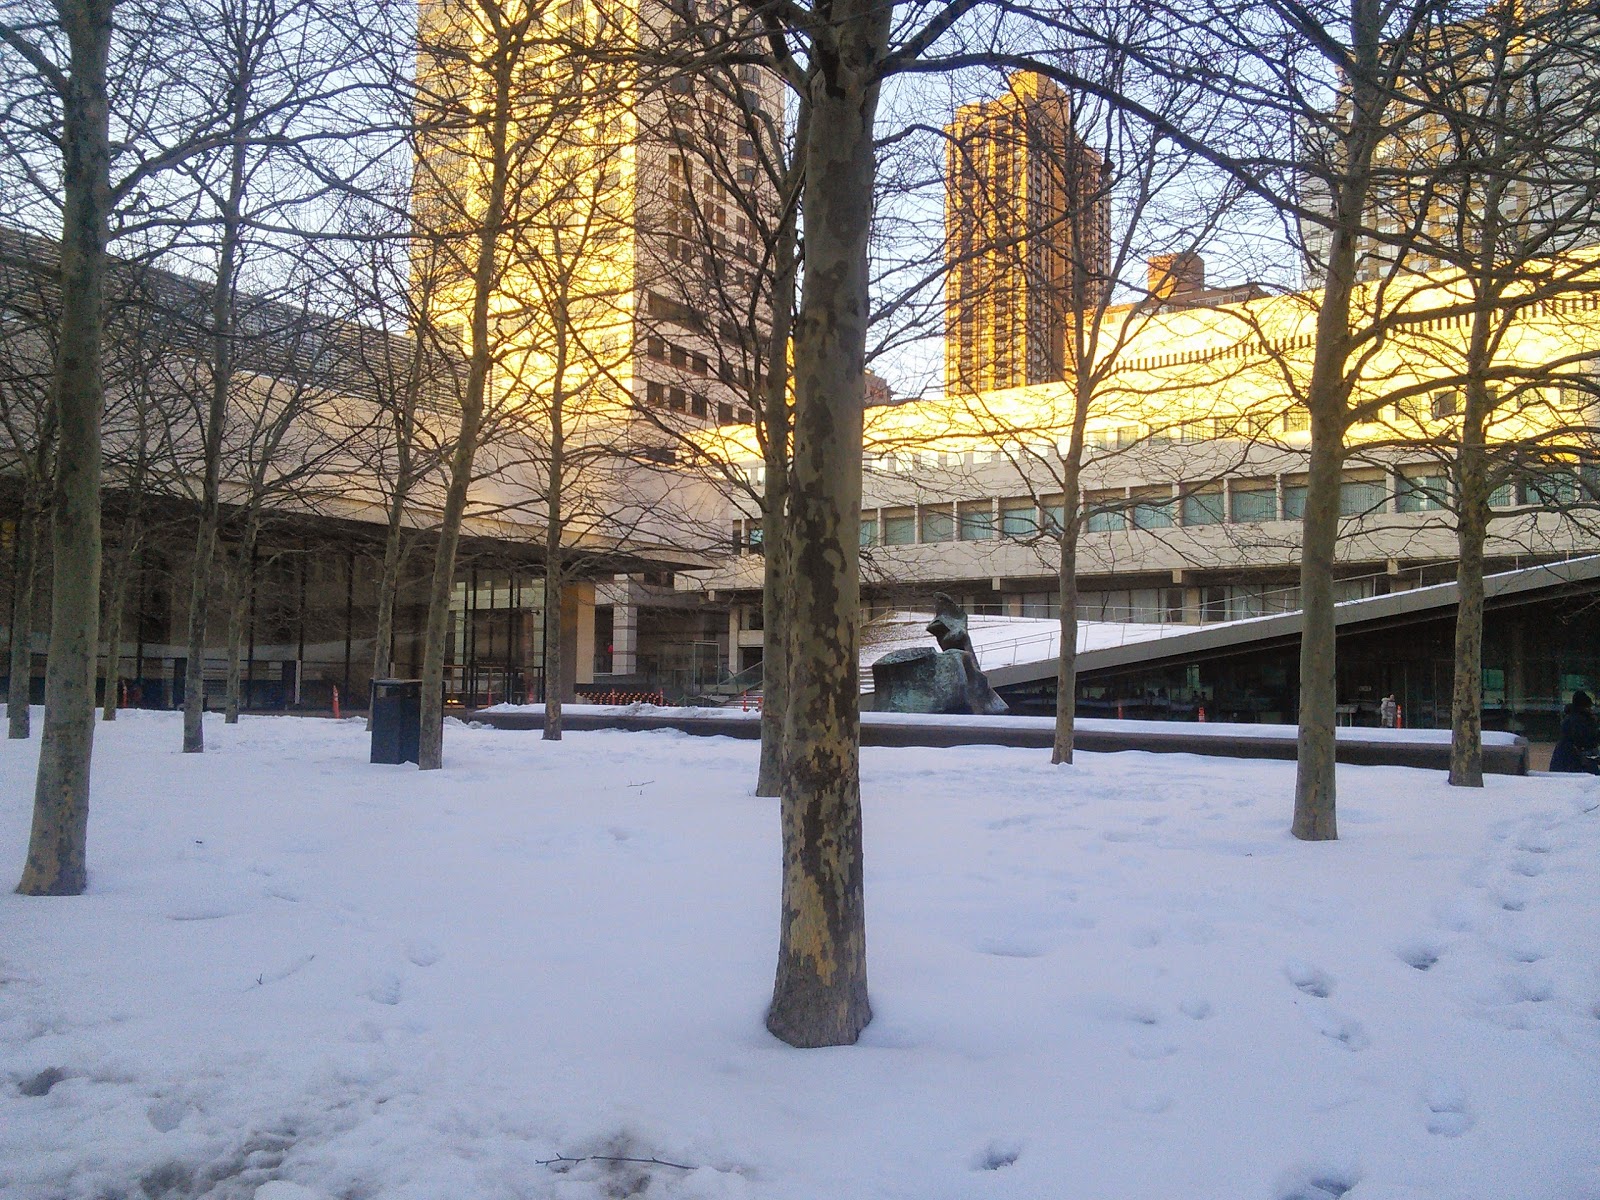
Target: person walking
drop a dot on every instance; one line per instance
(1388, 710)
(1580, 738)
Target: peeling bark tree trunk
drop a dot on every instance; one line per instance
(18, 721)
(57, 863)
(1472, 525)
(775, 547)
(820, 995)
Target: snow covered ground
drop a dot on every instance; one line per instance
(300, 976)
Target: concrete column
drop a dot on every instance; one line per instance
(624, 638)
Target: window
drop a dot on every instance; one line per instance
(1253, 503)
(1360, 496)
(938, 524)
(1102, 521)
(724, 414)
(656, 348)
(899, 527)
(1055, 516)
(1296, 420)
(1443, 404)
(698, 406)
(1153, 512)
(1294, 501)
(747, 148)
(1504, 496)
(680, 356)
(976, 522)
(1422, 493)
(1552, 488)
(656, 393)
(1018, 519)
(679, 400)
(869, 531)
(1202, 508)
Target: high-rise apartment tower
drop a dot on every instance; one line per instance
(1027, 225)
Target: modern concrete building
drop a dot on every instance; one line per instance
(1196, 474)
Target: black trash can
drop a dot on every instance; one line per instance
(396, 720)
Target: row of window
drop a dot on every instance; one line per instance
(1238, 502)
(680, 400)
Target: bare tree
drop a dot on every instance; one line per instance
(77, 82)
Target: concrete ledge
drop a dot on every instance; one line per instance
(1499, 758)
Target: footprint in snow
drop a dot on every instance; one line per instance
(1526, 865)
(1001, 1152)
(1419, 954)
(1448, 1114)
(384, 989)
(166, 1115)
(1344, 1030)
(421, 952)
(1309, 979)
(1150, 1103)
(1513, 898)
(1195, 1008)
(1317, 1183)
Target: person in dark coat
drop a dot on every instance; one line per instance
(1580, 738)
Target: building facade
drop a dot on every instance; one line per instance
(1027, 226)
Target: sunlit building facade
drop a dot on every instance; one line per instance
(1027, 226)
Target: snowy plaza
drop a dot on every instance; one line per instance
(297, 976)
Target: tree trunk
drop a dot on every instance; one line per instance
(775, 621)
(820, 994)
(554, 665)
(18, 720)
(388, 584)
(394, 535)
(554, 617)
(222, 353)
(116, 601)
(1067, 585)
(1314, 794)
(1472, 526)
(243, 573)
(57, 861)
(775, 540)
(430, 756)
(1067, 665)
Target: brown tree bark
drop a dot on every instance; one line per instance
(486, 247)
(775, 540)
(122, 567)
(57, 862)
(221, 381)
(1472, 528)
(1067, 584)
(242, 579)
(1327, 401)
(820, 994)
(1315, 797)
(18, 719)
